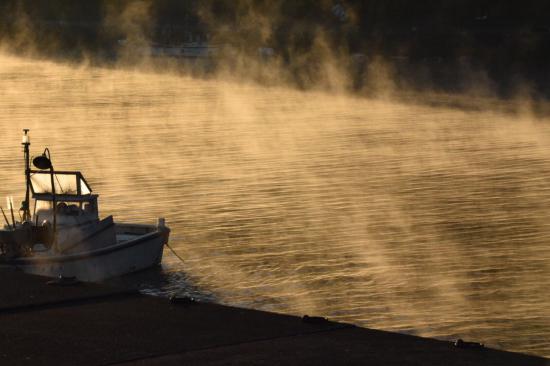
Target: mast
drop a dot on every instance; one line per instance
(25, 206)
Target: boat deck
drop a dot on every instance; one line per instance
(125, 232)
(91, 324)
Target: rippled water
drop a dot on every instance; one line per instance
(425, 220)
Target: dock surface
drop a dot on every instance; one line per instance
(44, 323)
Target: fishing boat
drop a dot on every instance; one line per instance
(64, 236)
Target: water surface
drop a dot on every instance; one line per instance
(426, 220)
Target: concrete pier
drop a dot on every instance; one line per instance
(90, 324)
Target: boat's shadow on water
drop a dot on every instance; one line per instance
(158, 281)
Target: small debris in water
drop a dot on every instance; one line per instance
(183, 300)
(459, 343)
(314, 319)
(64, 281)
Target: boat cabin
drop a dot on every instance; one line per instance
(64, 192)
(65, 199)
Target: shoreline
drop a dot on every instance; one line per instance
(94, 324)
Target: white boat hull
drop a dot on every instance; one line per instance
(122, 258)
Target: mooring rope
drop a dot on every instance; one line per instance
(174, 252)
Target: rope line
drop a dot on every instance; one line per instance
(174, 252)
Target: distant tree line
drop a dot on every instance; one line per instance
(509, 40)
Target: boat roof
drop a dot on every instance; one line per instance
(68, 186)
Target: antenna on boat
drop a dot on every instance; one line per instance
(25, 207)
(10, 204)
(6, 218)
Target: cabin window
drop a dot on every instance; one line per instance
(64, 183)
(43, 205)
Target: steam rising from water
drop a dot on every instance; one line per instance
(312, 60)
(389, 215)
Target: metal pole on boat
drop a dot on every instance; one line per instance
(26, 142)
(53, 199)
(44, 162)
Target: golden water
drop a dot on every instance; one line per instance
(405, 217)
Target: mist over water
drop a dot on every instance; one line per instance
(425, 220)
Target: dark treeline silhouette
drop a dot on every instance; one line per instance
(430, 44)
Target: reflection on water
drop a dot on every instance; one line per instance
(430, 221)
